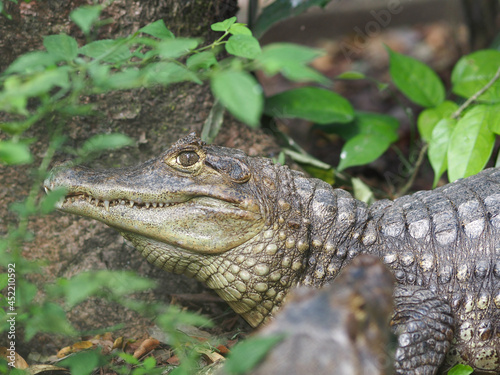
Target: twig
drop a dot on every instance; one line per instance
(474, 97)
(410, 182)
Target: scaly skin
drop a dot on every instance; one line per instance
(251, 230)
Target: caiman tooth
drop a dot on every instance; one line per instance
(161, 204)
(148, 204)
(106, 205)
(96, 202)
(155, 204)
(122, 202)
(89, 199)
(131, 204)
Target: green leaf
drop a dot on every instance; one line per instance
(108, 50)
(416, 80)
(174, 48)
(310, 103)
(305, 158)
(239, 29)
(249, 353)
(224, 25)
(48, 202)
(277, 56)
(43, 82)
(473, 72)
(471, 144)
(86, 16)
(290, 60)
(301, 73)
(240, 93)
(203, 60)
(368, 137)
(31, 62)
(169, 72)
(103, 142)
(494, 118)
(14, 153)
(243, 46)
(429, 118)
(84, 362)
(126, 79)
(213, 123)
(461, 370)
(438, 147)
(351, 75)
(158, 30)
(362, 191)
(49, 318)
(101, 284)
(283, 9)
(62, 46)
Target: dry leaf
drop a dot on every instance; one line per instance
(11, 356)
(76, 347)
(145, 347)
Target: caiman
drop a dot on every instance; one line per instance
(342, 328)
(251, 230)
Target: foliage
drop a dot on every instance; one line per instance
(247, 354)
(461, 370)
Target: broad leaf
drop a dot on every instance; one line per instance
(49, 318)
(202, 60)
(290, 60)
(14, 153)
(461, 369)
(109, 50)
(416, 80)
(240, 93)
(169, 72)
(429, 118)
(493, 113)
(310, 103)
(248, 353)
(213, 123)
(32, 61)
(277, 56)
(174, 48)
(62, 46)
(103, 142)
(438, 147)
(224, 25)
(158, 30)
(473, 72)
(243, 46)
(351, 75)
(48, 202)
(86, 16)
(368, 137)
(239, 29)
(471, 144)
(283, 9)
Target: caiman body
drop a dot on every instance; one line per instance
(251, 230)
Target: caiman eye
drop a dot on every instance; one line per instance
(187, 158)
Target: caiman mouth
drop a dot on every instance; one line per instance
(106, 204)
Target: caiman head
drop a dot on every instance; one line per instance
(209, 212)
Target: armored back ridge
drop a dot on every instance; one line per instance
(251, 230)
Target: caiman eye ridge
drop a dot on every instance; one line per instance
(106, 204)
